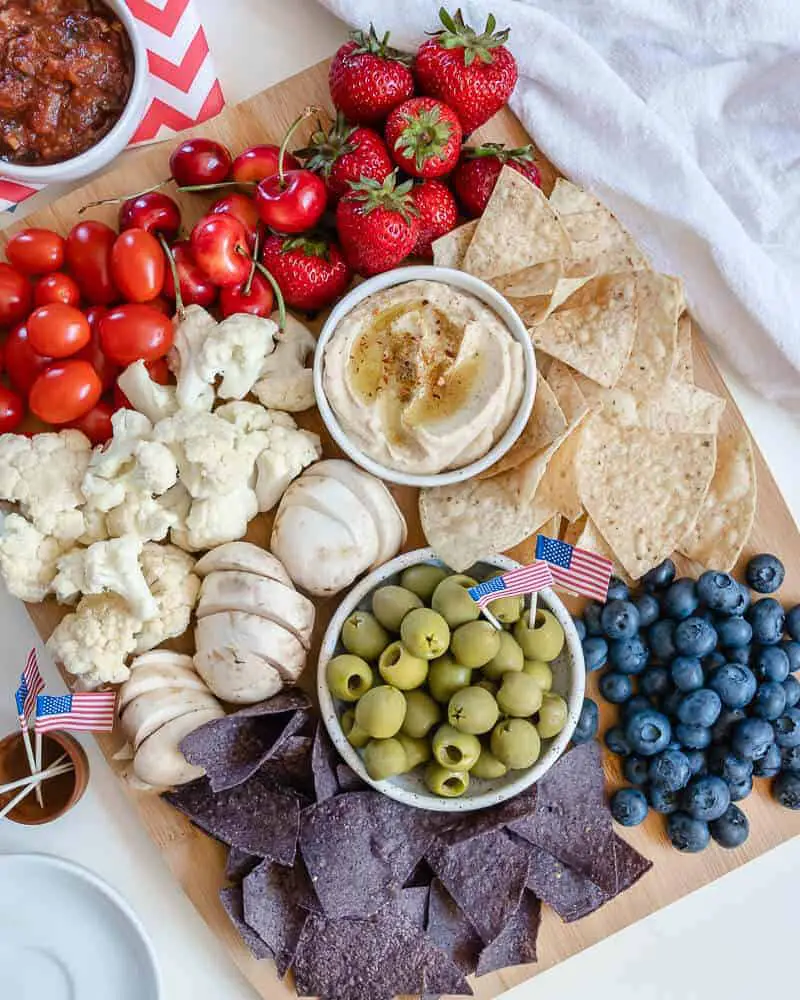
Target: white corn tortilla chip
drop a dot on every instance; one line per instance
(659, 301)
(683, 370)
(540, 279)
(643, 489)
(569, 199)
(560, 486)
(449, 250)
(726, 518)
(567, 391)
(591, 539)
(517, 230)
(680, 408)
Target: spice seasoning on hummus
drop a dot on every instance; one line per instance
(424, 377)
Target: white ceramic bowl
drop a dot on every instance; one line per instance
(467, 283)
(569, 680)
(112, 144)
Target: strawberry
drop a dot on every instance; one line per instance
(424, 137)
(377, 224)
(346, 153)
(368, 78)
(475, 74)
(479, 167)
(311, 272)
(438, 214)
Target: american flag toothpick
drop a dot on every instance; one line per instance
(574, 569)
(84, 712)
(30, 687)
(523, 580)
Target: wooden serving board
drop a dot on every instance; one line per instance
(196, 860)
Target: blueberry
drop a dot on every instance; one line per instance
(728, 718)
(669, 769)
(616, 688)
(660, 576)
(770, 701)
(786, 789)
(706, 614)
(726, 765)
(793, 622)
(713, 660)
(734, 632)
(629, 807)
(638, 703)
(687, 673)
(580, 628)
(681, 599)
(591, 618)
(764, 573)
(790, 759)
(628, 656)
(787, 728)
(719, 591)
(687, 834)
(618, 590)
(693, 736)
(706, 797)
(588, 721)
(656, 682)
(697, 761)
(595, 652)
(617, 742)
(741, 789)
(792, 688)
(662, 800)
(660, 637)
(669, 704)
(770, 764)
(648, 732)
(700, 708)
(731, 829)
(620, 620)
(635, 769)
(770, 663)
(649, 609)
(735, 685)
(742, 604)
(741, 655)
(751, 738)
(792, 649)
(768, 620)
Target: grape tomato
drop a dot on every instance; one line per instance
(36, 251)
(138, 265)
(65, 391)
(12, 410)
(57, 287)
(88, 257)
(58, 330)
(23, 364)
(135, 331)
(16, 296)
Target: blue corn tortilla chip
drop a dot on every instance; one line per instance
(450, 930)
(323, 765)
(239, 864)
(630, 865)
(256, 817)
(485, 875)
(288, 700)
(277, 901)
(516, 943)
(348, 780)
(413, 901)
(232, 899)
(474, 824)
(290, 766)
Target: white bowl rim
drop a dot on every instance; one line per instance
(467, 283)
(432, 802)
(96, 157)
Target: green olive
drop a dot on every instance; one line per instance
(453, 602)
(422, 579)
(475, 643)
(516, 743)
(348, 676)
(442, 781)
(445, 677)
(472, 710)
(354, 734)
(542, 642)
(422, 714)
(391, 604)
(540, 672)
(506, 610)
(508, 657)
(418, 750)
(489, 686)
(487, 766)
(552, 715)
(454, 750)
(363, 635)
(385, 759)
(402, 670)
(519, 695)
(425, 633)
(381, 712)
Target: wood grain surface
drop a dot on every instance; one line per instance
(196, 860)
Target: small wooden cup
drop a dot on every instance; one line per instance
(60, 793)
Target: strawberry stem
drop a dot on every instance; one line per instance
(458, 35)
(176, 281)
(124, 198)
(307, 113)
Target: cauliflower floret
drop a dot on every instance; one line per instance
(156, 469)
(288, 453)
(28, 559)
(94, 641)
(236, 350)
(95, 525)
(254, 424)
(216, 520)
(142, 515)
(148, 397)
(106, 481)
(112, 565)
(194, 391)
(205, 448)
(168, 573)
(285, 383)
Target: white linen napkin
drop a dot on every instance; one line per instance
(683, 116)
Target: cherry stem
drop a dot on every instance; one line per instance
(248, 285)
(176, 281)
(307, 113)
(278, 295)
(216, 187)
(124, 198)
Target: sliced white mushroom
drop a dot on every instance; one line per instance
(256, 595)
(241, 677)
(243, 556)
(155, 676)
(159, 657)
(339, 503)
(151, 711)
(241, 633)
(158, 761)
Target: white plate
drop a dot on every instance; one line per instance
(67, 935)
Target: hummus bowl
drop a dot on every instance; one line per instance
(569, 680)
(424, 376)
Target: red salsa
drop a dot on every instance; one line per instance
(66, 69)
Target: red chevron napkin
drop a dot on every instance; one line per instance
(184, 88)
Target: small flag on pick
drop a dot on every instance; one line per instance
(575, 569)
(524, 580)
(31, 685)
(85, 711)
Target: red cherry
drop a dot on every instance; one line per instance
(259, 301)
(294, 203)
(258, 162)
(154, 212)
(200, 161)
(195, 286)
(242, 208)
(219, 246)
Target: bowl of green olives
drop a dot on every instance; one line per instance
(430, 703)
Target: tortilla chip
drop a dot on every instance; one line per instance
(348, 780)
(324, 758)
(470, 825)
(540, 279)
(726, 518)
(569, 199)
(643, 489)
(277, 902)
(683, 370)
(449, 250)
(239, 864)
(679, 408)
(593, 331)
(517, 230)
(591, 539)
(413, 901)
(659, 301)
(516, 943)
(567, 391)
(551, 528)
(450, 930)
(232, 899)
(559, 487)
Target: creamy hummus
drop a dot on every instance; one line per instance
(423, 377)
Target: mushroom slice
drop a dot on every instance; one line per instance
(242, 678)
(158, 761)
(247, 558)
(256, 595)
(339, 503)
(243, 633)
(155, 676)
(151, 711)
(159, 657)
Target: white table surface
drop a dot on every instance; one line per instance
(709, 944)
